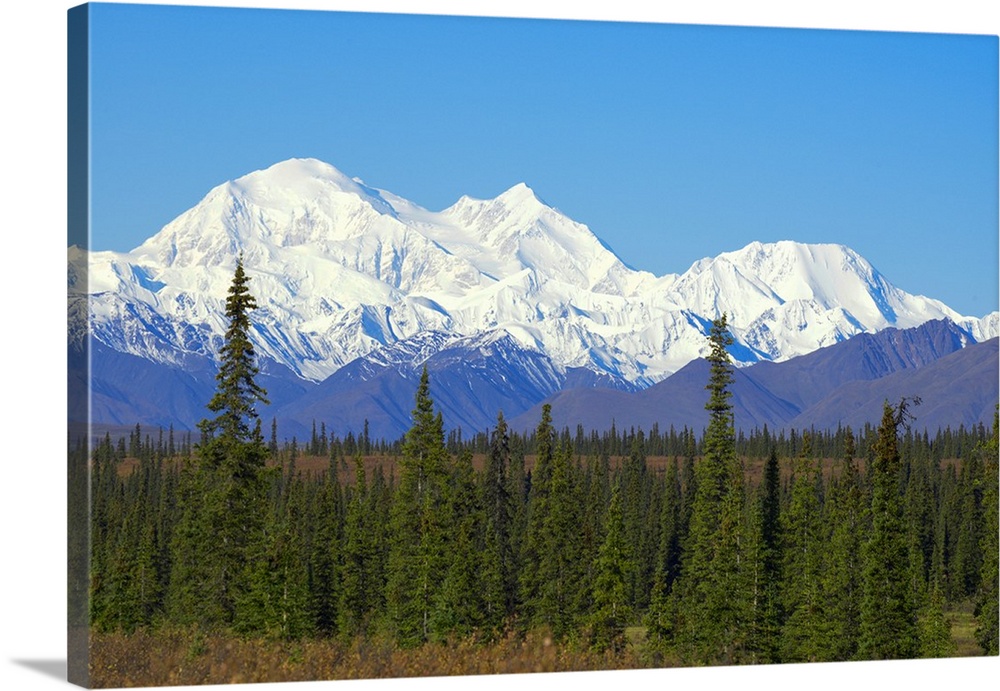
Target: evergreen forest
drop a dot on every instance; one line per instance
(675, 547)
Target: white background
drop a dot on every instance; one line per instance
(32, 333)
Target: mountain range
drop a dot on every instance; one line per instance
(506, 301)
(842, 384)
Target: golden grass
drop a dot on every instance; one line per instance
(144, 659)
(963, 631)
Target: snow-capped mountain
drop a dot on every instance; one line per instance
(341, 270)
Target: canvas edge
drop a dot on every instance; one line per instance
(78, 381)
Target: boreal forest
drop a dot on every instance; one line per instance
(234, 557)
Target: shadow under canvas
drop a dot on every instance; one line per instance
(50, 668)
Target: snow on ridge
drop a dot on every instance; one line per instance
(341, 270)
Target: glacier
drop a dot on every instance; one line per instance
(342, 271)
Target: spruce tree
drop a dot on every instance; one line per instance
(842, 564)
(237, 392)
(275, 602)
(417, 551)
(987, 614)
(537, 508)
(919, 517)
(379, 511)
(223, 502)
(804, 637)
(713, 609)
(888, 617)
(458, 604)
(325, 553)
(967, 559)
(934, 627)
(593, 490)
(766, 563)
(659, 619)
(560, 570)
(356, 558)
(499, 575)
(610, 595)
(640, 532)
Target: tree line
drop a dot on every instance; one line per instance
(709, 563)
(945, 445)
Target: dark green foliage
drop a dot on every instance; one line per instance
(313, 529)
(237, 391)
(672, 532)
(128, 573)
(718, 563)
(275, 601)
(919, 516)
(888, 617)
(222, 500)
(560, 568)
(610, 596)
(537, 507)
(989, 582)
(713, 592)
(968, 556)
(720, 438)
(325, 519)
(660, 618)
(499, 566)
(417, 550)
(845, 515)
(640, 533)
(593, 491)
(458, 607)
(805, 636)
(765, 564)
(357, 559)
(934, 628)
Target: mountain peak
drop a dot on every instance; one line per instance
(299, 180)
(518, 198)
(520, 194)
(300, 167)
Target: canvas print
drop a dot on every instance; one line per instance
(409, 345)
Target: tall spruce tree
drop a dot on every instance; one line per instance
(919, 516)
(713, 609)
(223, 501)
(968, 557)
(237, 393)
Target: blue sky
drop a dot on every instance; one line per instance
(671, 142)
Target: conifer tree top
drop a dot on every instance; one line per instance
(237, 391)
(721, 373)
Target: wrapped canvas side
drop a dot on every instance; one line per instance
(78, 348)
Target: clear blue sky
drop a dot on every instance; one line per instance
(671, 142)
